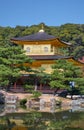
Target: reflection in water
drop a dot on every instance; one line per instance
(13, 108)
(15, 118)
(43, 121)
(10, 108)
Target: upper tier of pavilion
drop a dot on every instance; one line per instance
(40, 37)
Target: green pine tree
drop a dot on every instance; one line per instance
(65, 72)
(12, 59)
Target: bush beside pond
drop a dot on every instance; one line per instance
(23, 101)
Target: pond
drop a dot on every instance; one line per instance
(15, 118)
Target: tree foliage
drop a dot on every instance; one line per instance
(65, 72)
(12, 59)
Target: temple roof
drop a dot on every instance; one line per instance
(39, 36)
(56, 57)
(48, 57)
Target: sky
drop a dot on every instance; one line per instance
(34, 12)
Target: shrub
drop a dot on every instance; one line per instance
(36, 94)
(23, 101)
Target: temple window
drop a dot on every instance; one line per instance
(45, 49)
(28, 49)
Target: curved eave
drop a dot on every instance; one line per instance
(54, 42)
(75, 62)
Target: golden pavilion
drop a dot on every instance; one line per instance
(43, 48)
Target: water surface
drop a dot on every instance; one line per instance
(14, 118)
